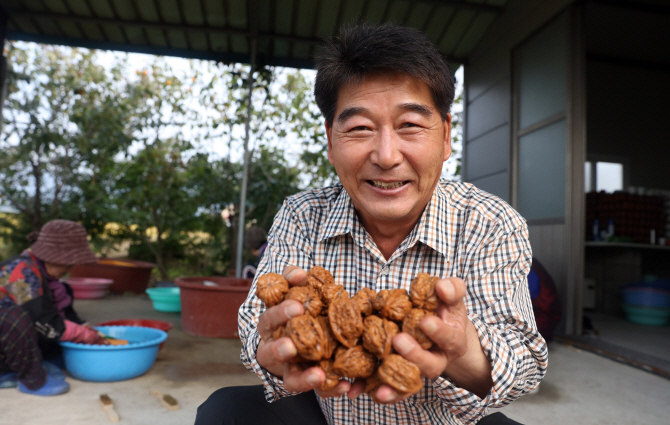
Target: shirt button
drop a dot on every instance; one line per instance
(384, 271)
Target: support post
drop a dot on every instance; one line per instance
(245, 167)
(3, 63)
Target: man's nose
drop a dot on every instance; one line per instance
(386, 153)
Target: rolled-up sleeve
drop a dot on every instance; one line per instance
(287, 245)
(501, 311)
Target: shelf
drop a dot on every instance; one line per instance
(625, 245)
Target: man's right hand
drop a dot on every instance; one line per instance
(274, 355)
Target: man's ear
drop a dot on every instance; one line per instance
(447, 137)
(329, 136)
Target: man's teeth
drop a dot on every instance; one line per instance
(384, 185)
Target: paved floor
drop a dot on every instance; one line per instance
(580, 388)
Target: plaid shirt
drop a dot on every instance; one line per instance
(463, 232)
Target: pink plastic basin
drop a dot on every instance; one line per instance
(87, 288)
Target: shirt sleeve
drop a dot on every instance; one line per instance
(287, 245)
(499, 306)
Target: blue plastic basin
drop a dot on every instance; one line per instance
(166, 299)
(647, 315)
(648, 297)
(107, 363)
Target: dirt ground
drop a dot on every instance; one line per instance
(580, 387)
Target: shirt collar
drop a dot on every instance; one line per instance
(431, 228)
(342, 219)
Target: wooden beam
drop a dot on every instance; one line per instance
(465, 5)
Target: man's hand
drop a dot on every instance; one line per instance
(274, 355)
(457, 351)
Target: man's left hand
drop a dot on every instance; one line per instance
(456, 353)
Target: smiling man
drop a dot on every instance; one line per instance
(385, 93)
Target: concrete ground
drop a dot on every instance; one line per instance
(580, 387)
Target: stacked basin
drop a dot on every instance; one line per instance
(647, 303)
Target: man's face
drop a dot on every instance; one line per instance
(387, 143)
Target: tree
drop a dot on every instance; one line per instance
(64, 121)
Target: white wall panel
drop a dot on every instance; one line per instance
(489, 153)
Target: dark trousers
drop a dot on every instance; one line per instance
(19, 347)
(247, 406)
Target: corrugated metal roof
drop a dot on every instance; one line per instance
(286, 31)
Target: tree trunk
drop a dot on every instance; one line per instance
(37, 202)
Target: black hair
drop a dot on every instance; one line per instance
(364, 50)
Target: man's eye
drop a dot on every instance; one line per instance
(359, 128)
(409, 124)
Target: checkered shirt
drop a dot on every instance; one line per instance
(463, 232)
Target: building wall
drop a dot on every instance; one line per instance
(488, 148)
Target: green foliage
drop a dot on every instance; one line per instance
(63, 122)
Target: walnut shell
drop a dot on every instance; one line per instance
(363, 299)
(400, 374)
(411, 326)
(332, 292)
(307, 336)
(278, 333)
(271, 288)
(318, 276)
(393, 304)
(308, 297)
(332, 378)
(345, 321)
(354, 362)
(378, 335)
(422, 292)
(330, 342)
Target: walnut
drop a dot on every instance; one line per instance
(332, 378)
(330, 342)
(411, 326)
(318, 276)
(307, 336)
(379, 300)
(345, 321)
(332, 292)
(271, 288)
(308, 297)
(378, 335)
(363, 299)
(400, 374)
(422, 292)
(278, 333)
(354, 362)
(393, 304)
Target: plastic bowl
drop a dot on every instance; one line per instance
(165, 299)
(147, 323)
(108, 363)
(88, 288)
(647, 315)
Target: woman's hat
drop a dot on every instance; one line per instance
(63, 242)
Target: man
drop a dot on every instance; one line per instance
(385, 93)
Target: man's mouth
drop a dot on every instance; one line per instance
(385, 185)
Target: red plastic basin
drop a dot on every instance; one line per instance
(88, 288)
(209, 304)
(128, 275)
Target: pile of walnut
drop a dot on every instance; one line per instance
(351, 336)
